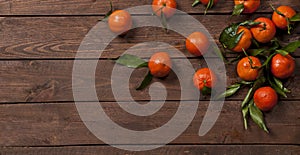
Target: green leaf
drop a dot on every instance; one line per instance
(250, 61)
(196, 2)
(280, 85)
(147, 80)
(249, 23)
(206, 90)
(131, 61)
(282, 52)
(163, 20)
(234, 60)
(209, 5)
(257, 116)
(255, 42)
(234, 86)
(278, 12)
(267, 62)
(291, 47)
(275, 87)
(255, 52)
(238, 9)
(229, 37)
(245, 82)
(108, 13)
(247, 97)
(295, 18)
(275, 44)
(289, 25)
(257, 84)
(245, 112)
(231, 91)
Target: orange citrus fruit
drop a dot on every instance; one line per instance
(280, 21)
(197, 43)
(160, 64)
(204, 77)
(120, 21)
(282, 66)
(265, 31)
(245, 41)
(265, 98)
(249, 5)
(245, 71)
(167, 7)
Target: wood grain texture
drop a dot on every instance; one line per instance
(59, 124)
(174, 150)
(60, 37)
(100, 7)
(51, 80)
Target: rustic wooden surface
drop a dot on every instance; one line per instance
(38, 44)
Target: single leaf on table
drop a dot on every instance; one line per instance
(131, 61)
(229, 37)
(295, 18)
(275, 87)
(280, 85)
(257, 116)
(196, 2)
(247, 97)
(245, 112)
(231, 91)
(238, 9)
(291, 47)
(147, 80)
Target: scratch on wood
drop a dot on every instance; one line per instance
(42, 92)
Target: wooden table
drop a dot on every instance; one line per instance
(38, 44)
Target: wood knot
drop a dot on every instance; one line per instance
(42, 92)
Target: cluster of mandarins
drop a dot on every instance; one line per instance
(281, 66)
(197, 43)
(159, 64)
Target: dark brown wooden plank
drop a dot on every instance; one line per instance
(59, 124)
(51, 80)
(91, 7)
(4, 7)
(174, 150)
(60, 37)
